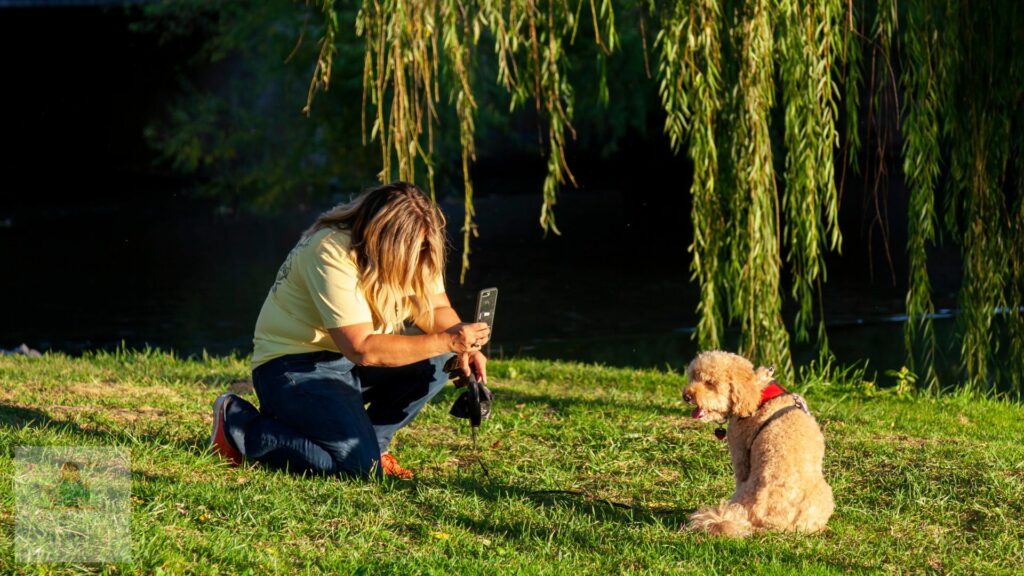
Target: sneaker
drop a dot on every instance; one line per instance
(218, 439)
(392, 468)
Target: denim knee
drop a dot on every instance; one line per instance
(438, 363)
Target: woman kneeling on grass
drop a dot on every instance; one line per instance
(335, 374)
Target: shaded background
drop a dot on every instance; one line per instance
(104, 243)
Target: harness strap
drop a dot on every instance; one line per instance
(798, 403)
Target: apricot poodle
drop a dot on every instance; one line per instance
(775, 444)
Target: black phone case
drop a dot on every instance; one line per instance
(486, 303)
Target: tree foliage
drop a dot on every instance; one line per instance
(242, 119)
(764, 96)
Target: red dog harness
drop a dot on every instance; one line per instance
(771, 391)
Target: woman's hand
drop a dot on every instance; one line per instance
(468, 337)
(474, 363)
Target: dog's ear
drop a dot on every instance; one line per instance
(744, 393)
(764, 376)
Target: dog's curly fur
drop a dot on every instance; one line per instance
(776, 448)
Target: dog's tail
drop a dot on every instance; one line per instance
(726, 519)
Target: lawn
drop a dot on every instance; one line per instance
(589, 470)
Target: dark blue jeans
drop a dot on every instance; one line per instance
(321, 413)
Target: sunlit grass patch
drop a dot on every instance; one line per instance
(591, 470)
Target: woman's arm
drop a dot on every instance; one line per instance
(444, 315)
(362, 346)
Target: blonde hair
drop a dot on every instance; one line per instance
(399, 245)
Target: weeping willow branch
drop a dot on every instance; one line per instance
(458, 37)
(556, 94)
(1015, 292)
(853, 81)
(921, 167)
(530, 38)
(402, 78)
(883, 100)
(690, 94)
(953, 125)
(977, 211)
(978, 168)
(553, 90)
(1013, 102)
(403, 82)
(1015, 297)
(807, 51)
(756, 296)
(322, 72)
(983, 245)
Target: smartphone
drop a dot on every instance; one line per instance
(486, 301)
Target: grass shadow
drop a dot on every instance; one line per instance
(599, 510)
(575, 500)
(559, 404)
(13, 416)
(20, 417)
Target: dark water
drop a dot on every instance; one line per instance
(608, 290)
(191, 279)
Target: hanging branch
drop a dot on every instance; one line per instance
(1014, 302)
(983, 245)
(321, 79)
(402, 39)
(853, 83)
(756, 297)
(458, 38)
(978, 167)
(807, 51)
(691, 96)
(950, 64)
(539, 30)
(1015, 289)
(557, 96)
(921, 80)
(882, 93)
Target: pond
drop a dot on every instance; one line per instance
(178, 274)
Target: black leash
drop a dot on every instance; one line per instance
(474, 404)
(477, 454)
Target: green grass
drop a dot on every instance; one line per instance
(921, 484)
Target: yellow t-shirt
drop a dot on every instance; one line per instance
(317, 288)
